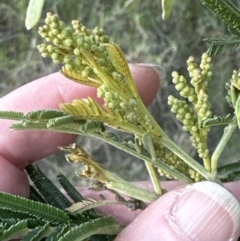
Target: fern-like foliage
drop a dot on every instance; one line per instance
(230, 14)
(222, 46)
(100, 225)
(51, 194)
(33, 209)
(229, 172)
(12, 115)
(89, 108)
(70, 189)
(226, 11)
(38, 233)
(75, 195)
(19, 230)
(45, 218)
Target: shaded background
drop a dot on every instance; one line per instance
(145, 38)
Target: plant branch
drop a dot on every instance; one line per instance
(154, 178)
(228, 131)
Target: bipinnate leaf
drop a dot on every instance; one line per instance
(38, 233)
(103, 225)
(229, 172)
(226, 11)
(222, 46)
(59, 232)
(48, 190)
(72, 192)
(91, 110)
(120, 63)
(17, 230)
(12, 115)
(44, 114)
(33, 209)
(78, 77)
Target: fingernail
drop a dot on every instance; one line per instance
(207, 211)
(159, 69)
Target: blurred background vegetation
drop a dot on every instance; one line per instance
(145, 38)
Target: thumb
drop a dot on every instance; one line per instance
(201, 211)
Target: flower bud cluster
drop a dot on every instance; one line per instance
(175, 163)
(192, 116)
(184, 113)
(200, 143)
(200, 77)
(184, 89)
(68, 43)
(127, 108)
(203, 106)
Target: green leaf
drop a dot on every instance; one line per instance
(47, 189)
(60, 121)
(12, 115)
(234, 31)
(13, 219)
(226, 11)
(105, 225)
(34, 12)
(35, 195)
(17, 230)
(44, 114)
(26, 125)
(6, 214)
(38, 233)
(34, 209)
(222, 46)
(167, 6)
(72, 192)
(92, 126)
(59, 232)
(229, 172)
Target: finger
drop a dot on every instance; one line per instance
(234, 188)
(202, 211)
(46, 93)
(124, 216)
(12, 179)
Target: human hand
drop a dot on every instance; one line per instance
(202, 211)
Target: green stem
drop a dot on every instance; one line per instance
(121, 186)
(144, 157)
(154, 178)
(228, 131)
(74, 129)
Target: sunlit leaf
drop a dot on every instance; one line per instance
(167, 6)
(34, 12)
